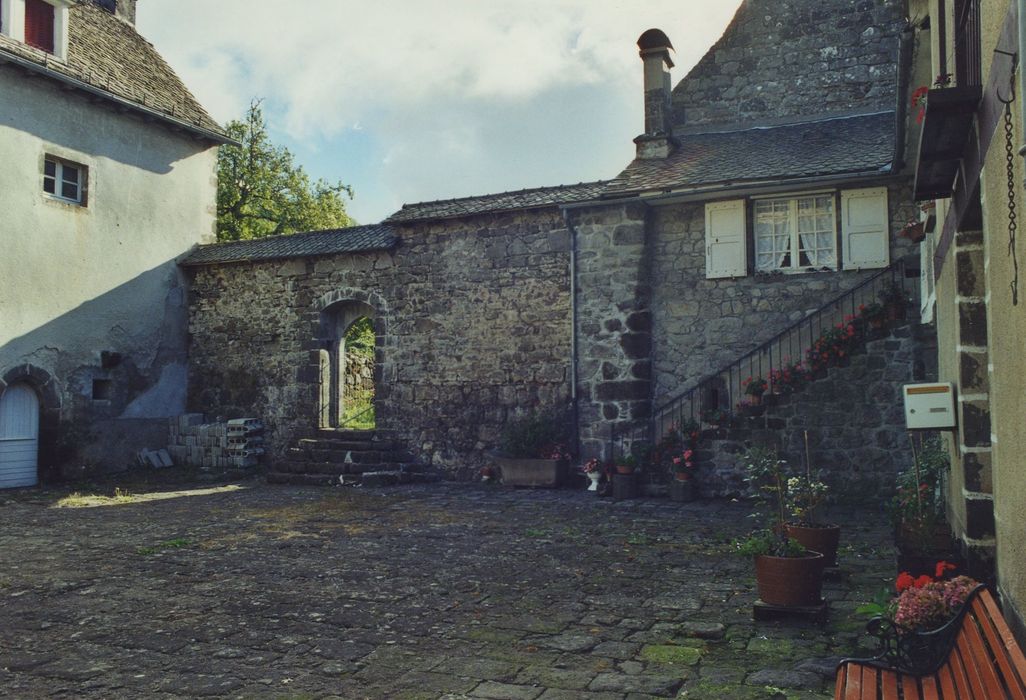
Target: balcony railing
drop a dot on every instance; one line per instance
(968, 69)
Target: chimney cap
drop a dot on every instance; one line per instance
(654, 39)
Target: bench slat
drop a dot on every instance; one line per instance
(930, 688)
(982, 658)
(947, 683)
(958, 673)
(869, 674)
(1013, 664)
(853, 691)
(910, 686)
(889, 685)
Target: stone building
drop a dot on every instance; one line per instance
(968, 165)
(108, 177)
(768, 182)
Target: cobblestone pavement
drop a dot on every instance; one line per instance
(442, 591)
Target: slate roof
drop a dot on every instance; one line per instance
(504, 201)
(108, 57)
(834, 146)
(355, 239)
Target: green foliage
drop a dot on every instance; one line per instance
(918, 506)
(537, 436)
(262, 192)
(360, 337)
(766, 542)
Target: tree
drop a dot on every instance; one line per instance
(262, 192)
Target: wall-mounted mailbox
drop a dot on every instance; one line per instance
(929, 406)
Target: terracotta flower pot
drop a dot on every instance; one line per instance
(623, 469)
(790, 581)
(755, 399)
(682, 476)
(818, 539)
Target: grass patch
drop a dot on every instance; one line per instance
(671, 654)
(81, 500)
(177, 543)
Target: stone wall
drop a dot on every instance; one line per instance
(854, 417)
(795, 58)
(472, 318)
(700, 324)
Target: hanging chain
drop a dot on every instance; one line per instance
(1012, 223)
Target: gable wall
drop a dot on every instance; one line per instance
(795, 58)
(474, 327)
(78, 281)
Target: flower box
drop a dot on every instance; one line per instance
(537, 473)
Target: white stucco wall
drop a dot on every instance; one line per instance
(78, 280)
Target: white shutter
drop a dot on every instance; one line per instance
(726, 252)
(865, 228)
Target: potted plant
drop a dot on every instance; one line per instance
(593, 470)
(875, 315)
(789, 378)
(534, 451)
(625, 464)
(921, 530)
(786, 573)
(754, 389)
(806, 495)
(914, 230)
(895, 300)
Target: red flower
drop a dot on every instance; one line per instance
(904, 582)
(943, 566)
(922, 581)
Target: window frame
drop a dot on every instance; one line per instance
(59, 180)
(793, 203)
(12, 25)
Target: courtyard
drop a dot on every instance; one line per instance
(441, 591)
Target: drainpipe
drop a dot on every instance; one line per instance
(573, 328)
(905, 45)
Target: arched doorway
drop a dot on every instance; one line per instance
(348, 341)
(19, 436)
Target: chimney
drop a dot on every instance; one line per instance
(657, 141)
(122, 9)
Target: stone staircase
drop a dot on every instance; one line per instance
(349, 458)
(854, 416)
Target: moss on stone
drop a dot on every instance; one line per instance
(671, 654)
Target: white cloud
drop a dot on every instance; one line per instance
(419, 77)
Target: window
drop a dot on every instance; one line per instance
(795, 234)
(798, 233)
(39, 25)
(42, 24)
(64, 180)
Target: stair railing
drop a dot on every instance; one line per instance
(713, 399)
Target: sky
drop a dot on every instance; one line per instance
(410, 101)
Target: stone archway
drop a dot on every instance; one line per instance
(48, 400)
(338, 313)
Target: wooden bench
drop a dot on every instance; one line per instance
(973, 657)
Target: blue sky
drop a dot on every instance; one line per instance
(415, 101)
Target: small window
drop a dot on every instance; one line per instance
(39, 25)
(795, 234)
(64, 180)
(102, 389)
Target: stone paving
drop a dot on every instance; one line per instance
(440, 591)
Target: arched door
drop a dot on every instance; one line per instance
(19, 436)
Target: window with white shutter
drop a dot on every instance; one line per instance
(726, 250)
(865, 228)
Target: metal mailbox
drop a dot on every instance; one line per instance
(929, 406)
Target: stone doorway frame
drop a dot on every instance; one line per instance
(334, 313)
(45, 386)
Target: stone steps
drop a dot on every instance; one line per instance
(854, 416)
(350, 457)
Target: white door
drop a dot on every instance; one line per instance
(19, 436)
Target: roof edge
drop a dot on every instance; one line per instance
(45, 71)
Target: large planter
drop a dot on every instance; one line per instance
(818, 539)
(538, 473)
(790, 582)
(682, 490)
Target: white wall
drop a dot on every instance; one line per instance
(77, 280)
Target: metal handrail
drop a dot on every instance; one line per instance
(719, 390)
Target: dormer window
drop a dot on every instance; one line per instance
(39, 24)
(42, 24)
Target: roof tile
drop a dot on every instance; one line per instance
(504, 201)
(355, 239)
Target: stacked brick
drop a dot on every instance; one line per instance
(232, 444)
